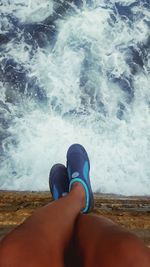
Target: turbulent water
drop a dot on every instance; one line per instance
(75, 72)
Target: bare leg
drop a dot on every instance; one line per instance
(42, 239)
(102, 243)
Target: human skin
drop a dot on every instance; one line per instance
(58, 234)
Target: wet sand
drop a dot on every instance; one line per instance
(131, 212)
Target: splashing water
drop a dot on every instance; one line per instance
(75, 72)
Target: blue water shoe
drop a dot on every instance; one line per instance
(78, 167)
(58, 181)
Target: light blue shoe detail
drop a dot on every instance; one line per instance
(55, 193)
(86, 171)
(86, 190)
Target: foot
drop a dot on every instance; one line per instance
(58, 181)
(78, 167)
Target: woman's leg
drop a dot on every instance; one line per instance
(102, 243)
(42, 239)
(99, 241)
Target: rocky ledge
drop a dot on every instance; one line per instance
(131, 212)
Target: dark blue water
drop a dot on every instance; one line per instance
(75, 64)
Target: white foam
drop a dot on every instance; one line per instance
(28, 11)
(118, 149)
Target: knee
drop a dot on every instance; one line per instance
(6, 254)
(128, 241)
(131, 250)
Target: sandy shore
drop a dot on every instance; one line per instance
(131, 212)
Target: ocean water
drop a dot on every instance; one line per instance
(75, 72)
